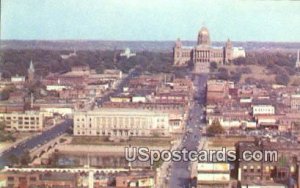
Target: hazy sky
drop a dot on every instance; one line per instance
(244, 20)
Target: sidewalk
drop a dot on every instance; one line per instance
(202, 145)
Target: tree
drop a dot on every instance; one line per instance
(239, 61)
(290, 70)
(2, 126)
(25, 158)
(213, 66)
(4, 94)
(100, 69)
(14, 160)
(215, 128)
(223, 74)
(236, 76)
(62, 140)
(157, 164)
(244, 70)
(191, 65)
(282, 79)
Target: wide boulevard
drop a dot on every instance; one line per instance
(180, 172)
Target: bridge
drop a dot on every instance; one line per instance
(39, 151)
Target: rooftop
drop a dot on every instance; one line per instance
(123, 111)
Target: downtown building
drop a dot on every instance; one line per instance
(23, 121)
(295, 102)
(121, 123)
(278, 170)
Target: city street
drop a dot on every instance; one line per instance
(180, 172)
(132, 73)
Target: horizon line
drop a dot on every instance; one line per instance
(114, 40)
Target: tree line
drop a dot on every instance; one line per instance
(15, 62)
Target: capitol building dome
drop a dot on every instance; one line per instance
(203, 37)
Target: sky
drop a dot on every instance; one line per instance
(150, 20)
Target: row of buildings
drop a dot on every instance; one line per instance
(278, 166)
(76, 179)
(60, 94)
(236, 105)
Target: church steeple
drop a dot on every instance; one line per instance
(31, 72)
(31, 67)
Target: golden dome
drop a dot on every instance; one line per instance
(204, 31)
(203, 37)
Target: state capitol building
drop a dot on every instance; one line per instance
(203, 53)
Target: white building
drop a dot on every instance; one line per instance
(217, 174)
(138, 99)
(228, 123)
(247, 100)
(17, 79)
(127, 53)
(263, 109)
(121, 123)
(67, 56)
(63, 111)
(238, 52)
(56, 87)
(28, 121)
(295, 102)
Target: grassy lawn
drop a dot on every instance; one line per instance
(258, 72)
(133, 141)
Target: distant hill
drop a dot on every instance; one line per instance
(164, 46)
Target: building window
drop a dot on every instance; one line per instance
(267, 169)
(258, 170)
(245, 168)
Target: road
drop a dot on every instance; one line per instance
(180, 172)
(133, 73)
(37, 140)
